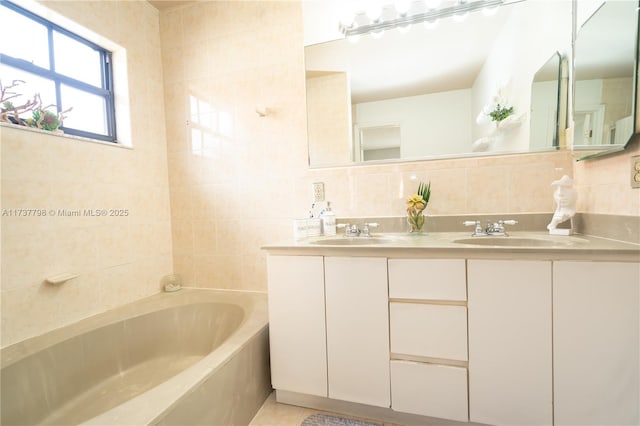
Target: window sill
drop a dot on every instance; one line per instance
(62, 135)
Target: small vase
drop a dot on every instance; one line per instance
(416, 222)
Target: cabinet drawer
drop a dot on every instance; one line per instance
(433, 279)
(436, 331)
(429, 390)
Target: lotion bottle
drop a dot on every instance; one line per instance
(328, 221)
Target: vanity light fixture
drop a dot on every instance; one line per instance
(361, 24)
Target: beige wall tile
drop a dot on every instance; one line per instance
(119, 259)
(603, 184)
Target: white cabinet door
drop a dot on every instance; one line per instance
(297, 324)
(509, 309)
(357, 329)
(596, 343)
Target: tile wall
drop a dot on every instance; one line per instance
(236, 186)
(604, 184)
(119, 259)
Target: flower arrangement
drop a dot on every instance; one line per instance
(416, 203)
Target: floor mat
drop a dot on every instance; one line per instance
(327, 420)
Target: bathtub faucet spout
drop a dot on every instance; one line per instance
(172, 282)
(172, 287)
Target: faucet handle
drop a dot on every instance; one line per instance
(478, 227)
(501, 224)
(367, 227)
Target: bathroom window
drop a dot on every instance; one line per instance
(67, 71)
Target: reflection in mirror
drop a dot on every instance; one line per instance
(378, 143)
(605, 78)
(433, 86)
(545, 98)
(328, 117)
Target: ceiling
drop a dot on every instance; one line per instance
(168, 4)
(387, 67)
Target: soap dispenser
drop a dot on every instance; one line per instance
(328, 221)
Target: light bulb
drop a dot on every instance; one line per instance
(402, 6)
(490, 11)
(374, 10)
(431, 24)
(459, 17)
(404, 28)
(377, 34)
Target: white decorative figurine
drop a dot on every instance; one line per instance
(565, 197)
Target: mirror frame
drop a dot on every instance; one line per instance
(635, 96)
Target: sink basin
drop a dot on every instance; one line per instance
(521, 241)
(355, 241)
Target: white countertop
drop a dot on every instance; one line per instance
(444, 245)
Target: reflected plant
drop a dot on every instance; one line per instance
(500, 113)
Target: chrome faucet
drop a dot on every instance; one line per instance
(492, 229)
(354, 231)
(366, 231)
(478, 230)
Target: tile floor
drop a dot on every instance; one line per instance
(273, 413)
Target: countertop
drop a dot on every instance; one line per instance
(444, 245)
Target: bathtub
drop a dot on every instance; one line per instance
(189, 357)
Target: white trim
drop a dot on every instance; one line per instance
(62, 135)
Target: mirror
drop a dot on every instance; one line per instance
(545, 99)
(421, 94)
(378, 142)
(604, 109)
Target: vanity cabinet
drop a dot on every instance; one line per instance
(428, 332)
(297, 324)
(491, 341)
(510, 354)
(596, 343)
(357, 329)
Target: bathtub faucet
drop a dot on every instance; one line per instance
(172, 287)
(172, 282)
